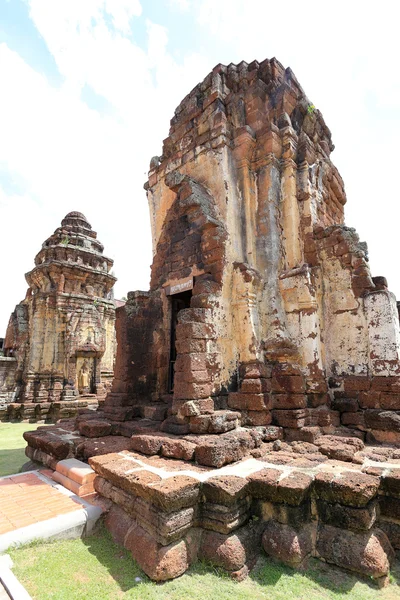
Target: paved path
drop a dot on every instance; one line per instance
(34, 506)
(27, 499)
(10, 587)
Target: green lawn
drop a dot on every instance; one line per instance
(97, 569)
(12, 446)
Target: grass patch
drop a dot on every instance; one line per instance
(95, 568)
(12, 446)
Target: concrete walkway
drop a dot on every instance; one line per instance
(10, 587)
(26, 499)
(33, 506)
(3, 593)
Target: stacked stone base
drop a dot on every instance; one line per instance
(275, 439)
(168, 520)
(91, 434)
(370, 406)
(168, 524)
(74, 475)
(217, 430)
(308, 406)
(46, 412)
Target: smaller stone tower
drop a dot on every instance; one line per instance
(62, 334)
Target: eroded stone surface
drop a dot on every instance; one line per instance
(217, 451)
(225, 489)
(339, 448)
(232, 552)
(94, 428)
(347, 517)
(158, 562)
(286, 544)
(168, 507)
(368, 553)
(348, 488)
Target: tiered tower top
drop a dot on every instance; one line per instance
(72, 261)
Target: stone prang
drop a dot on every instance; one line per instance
(258, 377)
(62, 335)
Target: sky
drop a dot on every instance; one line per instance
(88, 88)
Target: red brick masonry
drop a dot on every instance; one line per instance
(27, 499)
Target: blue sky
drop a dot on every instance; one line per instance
(89, 86)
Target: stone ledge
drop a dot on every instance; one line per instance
(299, 513)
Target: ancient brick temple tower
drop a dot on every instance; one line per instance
(263, 346)
(62, 334)
(261, 299)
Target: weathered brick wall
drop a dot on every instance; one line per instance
(246, 200)
(369, 405)
(142, 359)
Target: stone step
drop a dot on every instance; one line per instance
(167, 445)
(109, 444)
(154, 412)
(76, 470)
(220, 421)
(75, 475)
(217, 451)
(59, 442)
(79, 490)
(53, 440)
(129, 428)
(209, 450)
(339, 447)
(94, 428)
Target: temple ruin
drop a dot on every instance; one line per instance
(256, 396)
(60, 342)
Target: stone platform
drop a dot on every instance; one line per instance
(169, 513)
(224, 498)
(48, 412)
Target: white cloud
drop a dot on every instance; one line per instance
(20, 226)
(122, 11)
(158, 39)
(182, 5)
(73, 158)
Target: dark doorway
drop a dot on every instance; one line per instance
(178, 302)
